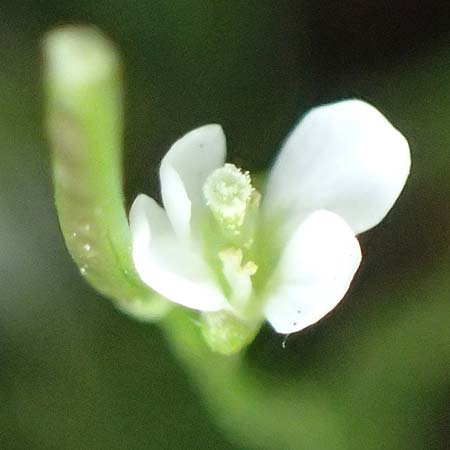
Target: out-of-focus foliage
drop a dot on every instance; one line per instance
(75, 374)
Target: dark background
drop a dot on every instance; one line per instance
(75, 373)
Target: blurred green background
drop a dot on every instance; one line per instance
(76, 374)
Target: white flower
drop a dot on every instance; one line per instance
(289, 254)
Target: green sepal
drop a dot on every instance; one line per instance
(227, 334)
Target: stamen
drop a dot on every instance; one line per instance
(237, 275)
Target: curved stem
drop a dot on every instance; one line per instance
(85, 127)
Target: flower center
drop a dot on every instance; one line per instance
(234, 204)
(228, 192)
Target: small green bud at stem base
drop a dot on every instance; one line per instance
(227, 334)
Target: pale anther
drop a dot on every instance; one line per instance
(238, 276)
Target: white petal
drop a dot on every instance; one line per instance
(173, 269)
(314, 272)
(345, 157)
(184, 170)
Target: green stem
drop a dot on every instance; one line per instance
(363, 398)
(255, 409)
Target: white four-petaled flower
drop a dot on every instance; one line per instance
(289, 254)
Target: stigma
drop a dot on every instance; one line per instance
(228, 192)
